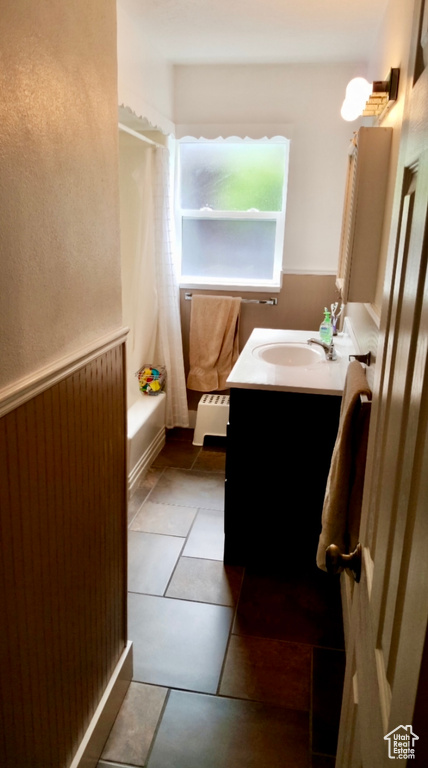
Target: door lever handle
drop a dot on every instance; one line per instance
(336, 562)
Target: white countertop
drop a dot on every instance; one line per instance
(326, 377)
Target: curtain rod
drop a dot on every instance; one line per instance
(271, 301)
(139, 136)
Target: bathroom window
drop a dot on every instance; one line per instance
(231, 197)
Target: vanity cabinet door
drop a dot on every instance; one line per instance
(279, 447)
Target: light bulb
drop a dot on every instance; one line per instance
(358, 92)
(349, 111)
(358, 89)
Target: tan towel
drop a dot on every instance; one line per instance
(342, 502)
(213, 344)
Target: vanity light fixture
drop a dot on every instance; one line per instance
(369, 99)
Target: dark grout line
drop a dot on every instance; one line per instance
(322, 754)
(177, 561)
(215, 695)
(311, 702)
(197, 602)
(196, 457)
(182, 600)
(235, 609)
(158, 724)
(145, 499)
(329, 648)
(276, 639)
(155, 533)
(199, 471)
(195, 557)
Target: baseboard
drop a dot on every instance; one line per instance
(149, 455)
(93, 742)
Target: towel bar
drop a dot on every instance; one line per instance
(271, 301)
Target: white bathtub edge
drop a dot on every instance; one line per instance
(149, 455)
(146, 436)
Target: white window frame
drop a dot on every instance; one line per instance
(196, 281)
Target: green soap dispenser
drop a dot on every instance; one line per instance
(326, 328)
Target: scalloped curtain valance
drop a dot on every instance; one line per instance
(148, 120)
(229, 130)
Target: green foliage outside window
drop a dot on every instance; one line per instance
(234, 177)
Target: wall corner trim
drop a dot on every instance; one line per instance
(93, 742)
(29, 386)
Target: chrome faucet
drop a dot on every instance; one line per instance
(329, 349)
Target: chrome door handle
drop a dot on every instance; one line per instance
(336, 562)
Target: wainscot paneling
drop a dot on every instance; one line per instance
(62, 560)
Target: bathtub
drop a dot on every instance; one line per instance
(146, 436)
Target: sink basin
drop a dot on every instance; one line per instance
(289, 353)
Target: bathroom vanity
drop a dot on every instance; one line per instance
(284, 412)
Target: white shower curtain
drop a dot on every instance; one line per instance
(169, 343)
(139, 295)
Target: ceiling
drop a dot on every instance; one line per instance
(261, 31)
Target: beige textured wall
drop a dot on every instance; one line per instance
(59, 242)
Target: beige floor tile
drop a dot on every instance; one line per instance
(206, 581)
(213, 732)
(142, 490)
(178, 643)
(268, 670)
(135, 725)
(151, 561)
(169, 519)
(206, 539)
(190, 488)
(210, 460)
(177, 453)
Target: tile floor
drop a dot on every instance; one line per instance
(232, 668)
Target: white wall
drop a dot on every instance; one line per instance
(59, 252)
(307, 98)
(145, 82)
(392, 50)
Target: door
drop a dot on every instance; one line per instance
(388, 626)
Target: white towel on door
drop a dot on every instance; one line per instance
(343, 497)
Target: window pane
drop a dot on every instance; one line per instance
(234, 248)
(232, 177)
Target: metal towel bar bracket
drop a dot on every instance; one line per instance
(366, 359)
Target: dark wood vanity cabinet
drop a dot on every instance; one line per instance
(279, 447)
